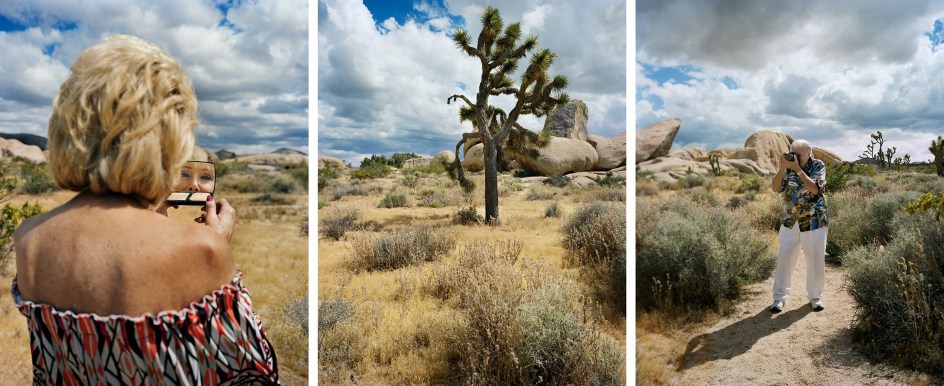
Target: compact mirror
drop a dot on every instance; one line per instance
(196, 183)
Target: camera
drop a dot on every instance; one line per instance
(791, 156)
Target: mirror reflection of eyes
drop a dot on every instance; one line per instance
(196, 176)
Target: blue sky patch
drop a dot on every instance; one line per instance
(937, 35)
(10, 25)
(676, 74)
(402, 11)
(730, 83)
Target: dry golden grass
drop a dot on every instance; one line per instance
(400, 333)
(268, 249)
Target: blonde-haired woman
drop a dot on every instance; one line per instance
(114, 292)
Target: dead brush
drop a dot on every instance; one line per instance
(399, 248)
(337, 221)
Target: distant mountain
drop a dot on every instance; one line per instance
(27, 139)
(288, 151)
(225, 154)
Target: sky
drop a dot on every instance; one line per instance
(385, 69)
(248, 61)
(831, 72)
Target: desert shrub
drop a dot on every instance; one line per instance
(303, 226)
(371, 171)
(342, 191)
(233, 167)
(596, 238)
(521, 173)
(411, 180)
(467, 216)
(322, 202)
(837, 175)
(865, 183)
(300, 174)
(392, 200)
(557, 181)
(289, 333)
(526, 322)
(928, 203)
(645, 189)
(338, 339)
(691, 181)
(701, 195)
(763, 216)
(643, 175)
(612, 193)
(899, 297)
(736, 202)
(284, 185)
(858, 218)
(407, 246)
(750, 195)
(514, 186)
(432, 168)
(274, 199)
(540, 193)
(690, 254)
(552, 210)
(335, 223)
(431, 199)
(752, 183)
(35, 178)
(325, 175)
(610, 180)
(10, 218)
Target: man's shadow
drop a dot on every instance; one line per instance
(737, 338)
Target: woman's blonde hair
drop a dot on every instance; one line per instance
(123, 121)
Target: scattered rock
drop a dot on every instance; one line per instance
(11, 148)
(656, 140)
(561, 156)
(568, 121)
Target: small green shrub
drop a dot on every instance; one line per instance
(837, 175)
(35, 178)
(540, 193)
(335, 223)
(371, 171)
(300, 174)
(858, 218)
(736, 202)
(11, 216)
(432, 168)
(929, 203)
(396, 249)
(322, 202)
(392, 200)
(325, 176)
(552, 210)
(342, 191)
(702, 195)
(283, 185)
(514, 186)
(691, 181)
(230, 168)
(411, 180)
(693, 255)
(752, 183)
(432, 200)
(645, 189)
(865, 183)
(467, 216)
(610, 180)
(557, 181)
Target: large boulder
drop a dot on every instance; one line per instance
(273, 159)
(768, 148)
(11, 148)
(417, 162)
(446, 156)
(746, 166)
(201, 154)
(826, 156)
(691, 154)
(559, 157)
(568, 121)
(324, 160)
(27, 139)
(656, 140)
(611, 151)
(474, 158)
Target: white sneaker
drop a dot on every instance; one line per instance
(817, 304)
(777, 306)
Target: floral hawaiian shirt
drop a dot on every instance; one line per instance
(799, 204)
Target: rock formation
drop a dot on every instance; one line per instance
(474, 158)
(568, 121)
(225, 155)
(611, 151)
(324, 160)
(561, 156)
(11, 148)
(656, 140)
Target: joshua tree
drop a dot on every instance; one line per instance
(499, 52)
(937, 148)
(715, 160)
(870, 152)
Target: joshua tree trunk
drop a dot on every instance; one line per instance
(491, 183)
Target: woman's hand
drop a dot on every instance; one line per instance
(220, 216)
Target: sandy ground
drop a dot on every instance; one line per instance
(753, 346)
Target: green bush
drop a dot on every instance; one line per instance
(342, 191)
(432, 168)
(689, 254)
(552, 210)
(35, 178)
(430, 198)
(392, 200)
(691, 181)
(335, 223)
(467, 216)
(899, 295)
(865, 183)
(411, 180)
(283, 185)
(857, 218)
(596, 238)
(300, 174)
(325, 175)
(752, 183)
(231, 168)
(11, 216)
(371, 171)
(838, 174)
(407, 246)
(557, 181)
(610, 180)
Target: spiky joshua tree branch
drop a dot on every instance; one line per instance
(498, 51)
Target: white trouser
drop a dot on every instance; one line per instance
(814, 248)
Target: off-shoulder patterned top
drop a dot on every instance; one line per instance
(215, 341)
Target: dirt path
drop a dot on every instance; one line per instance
(795, 347)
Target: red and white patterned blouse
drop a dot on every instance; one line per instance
(215, 341)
